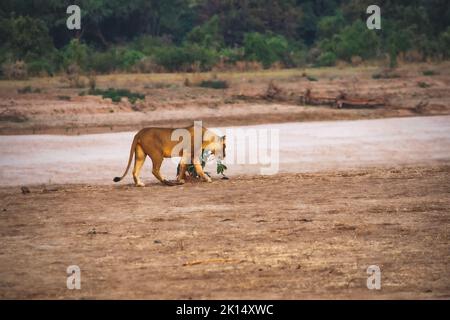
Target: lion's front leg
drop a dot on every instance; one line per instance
(182, 167)
(201, 173)
(182, 172)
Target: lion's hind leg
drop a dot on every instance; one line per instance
(157, 162)
(181, 170)
(139, 159)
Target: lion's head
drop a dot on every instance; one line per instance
(215, 144)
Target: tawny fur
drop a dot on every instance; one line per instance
(157, 144)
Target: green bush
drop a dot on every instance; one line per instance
(148, 45)
(25, 37)
(130, 58)
(104, 62)
(354, 40)
(397, 41)
(117, 94)
(40, 67)
(429, 73)
(28, 89)
(207, 35)
(171, 58)
(155, 36)
(232, 55)
(147, 65)
(114, 59)
(266, 49)
(422, 84)
(330, 25)
(326, 59)
(186, 57)
(76, 53)
(444, 41)
(5, 55)
(214, 84)
(297, 58)
(385, 74)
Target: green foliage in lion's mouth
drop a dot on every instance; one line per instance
(221, 167)
(204, 159)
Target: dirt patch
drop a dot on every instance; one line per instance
(289, 236)
(249, 99)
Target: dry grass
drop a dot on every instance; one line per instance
(126, 80)
(169, 101)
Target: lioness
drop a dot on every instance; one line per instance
(157, 143)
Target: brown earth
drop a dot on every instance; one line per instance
(58, 108)
(288, 236)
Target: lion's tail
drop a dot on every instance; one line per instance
(133, 148)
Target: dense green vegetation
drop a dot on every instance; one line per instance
(116, 94)
(199, 35)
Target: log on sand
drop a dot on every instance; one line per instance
(341, 101)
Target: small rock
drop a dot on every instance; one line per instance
(49, 189)
(25, 190)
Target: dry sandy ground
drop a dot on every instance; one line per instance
(349, 194)
(288, 236)
(303, 147)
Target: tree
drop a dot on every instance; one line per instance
(354, 40)
(266, 49)
(208, 34)
(25, 37)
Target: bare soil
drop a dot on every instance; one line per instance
(380, 195)
(58, 108)
(288, 236)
